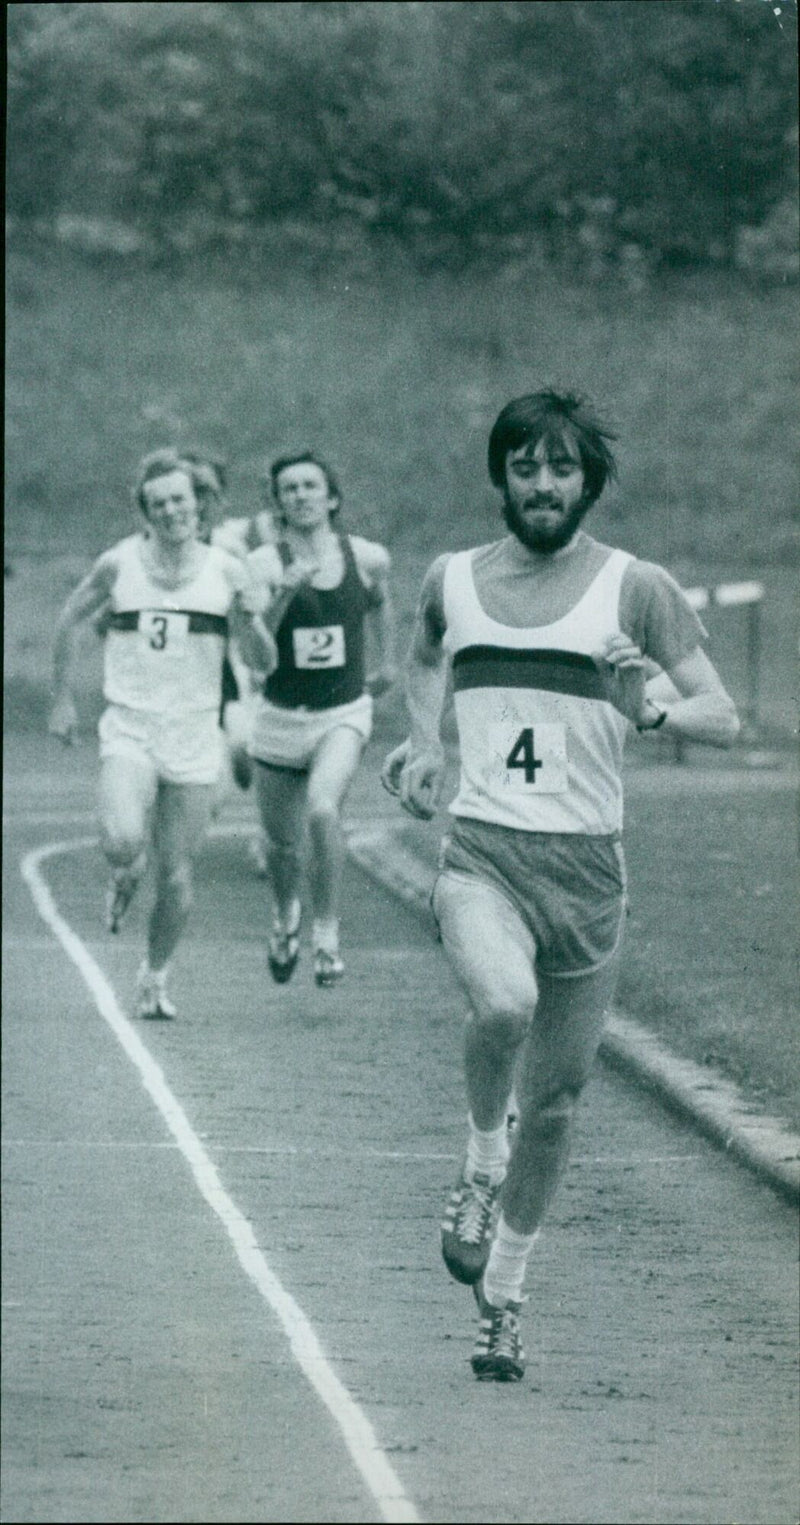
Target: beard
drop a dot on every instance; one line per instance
(544, 538)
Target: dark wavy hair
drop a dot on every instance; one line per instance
(550, 416)
(300, 458)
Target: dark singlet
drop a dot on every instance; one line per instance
(320, 640)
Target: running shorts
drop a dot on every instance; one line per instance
(180, 749)
(288, 738)
(568, 888)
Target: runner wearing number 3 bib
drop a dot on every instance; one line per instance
(324, 594)
(168, 603)
(550, 637)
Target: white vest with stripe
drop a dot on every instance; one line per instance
(540, 744)
(164, 650)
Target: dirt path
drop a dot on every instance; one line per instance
(145, 1379)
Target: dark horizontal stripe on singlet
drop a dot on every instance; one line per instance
(561, 672)
(199, 622)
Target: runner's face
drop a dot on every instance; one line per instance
(543, 499)
(171, 508)
(304, 497)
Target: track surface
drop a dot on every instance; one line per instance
(155, 1260)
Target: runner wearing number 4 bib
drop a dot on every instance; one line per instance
(550, 637)
(169, 602)
(324, 596)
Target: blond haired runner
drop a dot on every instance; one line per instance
(169, 602)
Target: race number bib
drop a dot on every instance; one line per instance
(530, 758)
(162, 630)
(321, 646)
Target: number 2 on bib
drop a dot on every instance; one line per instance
(318, 646)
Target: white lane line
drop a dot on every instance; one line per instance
(46, 817)
(627, 1161)
(356, 1430)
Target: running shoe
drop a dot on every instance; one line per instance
(468, 1225)
(284, 947)
(498, 1355)
(153, 1003)
(119, 895)
(328, 967)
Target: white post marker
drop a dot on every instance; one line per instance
(749, 595)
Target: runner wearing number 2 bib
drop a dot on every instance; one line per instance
(169, 602)
(324, 594)
(550, 637)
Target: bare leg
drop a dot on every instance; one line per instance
(126, 797)
(281, 796)
(182, 815)
(332, 771)
(554, 1067)
(491, 952)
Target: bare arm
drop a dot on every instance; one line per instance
(254, 641)
(702, 709)
(414, 770)
(278, 591)
(251, 641)
(85, 601)
(380, 621)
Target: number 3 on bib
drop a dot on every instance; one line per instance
(536, 759)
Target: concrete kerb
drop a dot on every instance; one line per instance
(715, 1106)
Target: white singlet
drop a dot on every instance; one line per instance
(164, 648)
(540, 744)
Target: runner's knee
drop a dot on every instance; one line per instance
(121, 847)
(322, 814)
(551, 1114)
(504, 1020)
(175, 884)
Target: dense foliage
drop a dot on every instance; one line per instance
(633, 129)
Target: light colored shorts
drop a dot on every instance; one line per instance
(570, 890)
(180, 749)
(289, 738)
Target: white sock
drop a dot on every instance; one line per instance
(152, 977)
(505, 1270)
(292, 921)
(487, 1153)
(325, 933)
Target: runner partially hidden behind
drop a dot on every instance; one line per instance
(324, 595)
(169, 601)
(550, 635)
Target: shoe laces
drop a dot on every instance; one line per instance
(475, 1211)
(504, 1336)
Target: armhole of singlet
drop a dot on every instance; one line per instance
(458, 576)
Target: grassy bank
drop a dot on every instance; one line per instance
(397, 377)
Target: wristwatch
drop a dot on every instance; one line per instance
(653, 725)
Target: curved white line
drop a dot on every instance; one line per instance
(357, 1432)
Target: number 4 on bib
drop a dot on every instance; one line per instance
(522, 755)
(536, 759)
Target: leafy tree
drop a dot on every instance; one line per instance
(586, 126)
